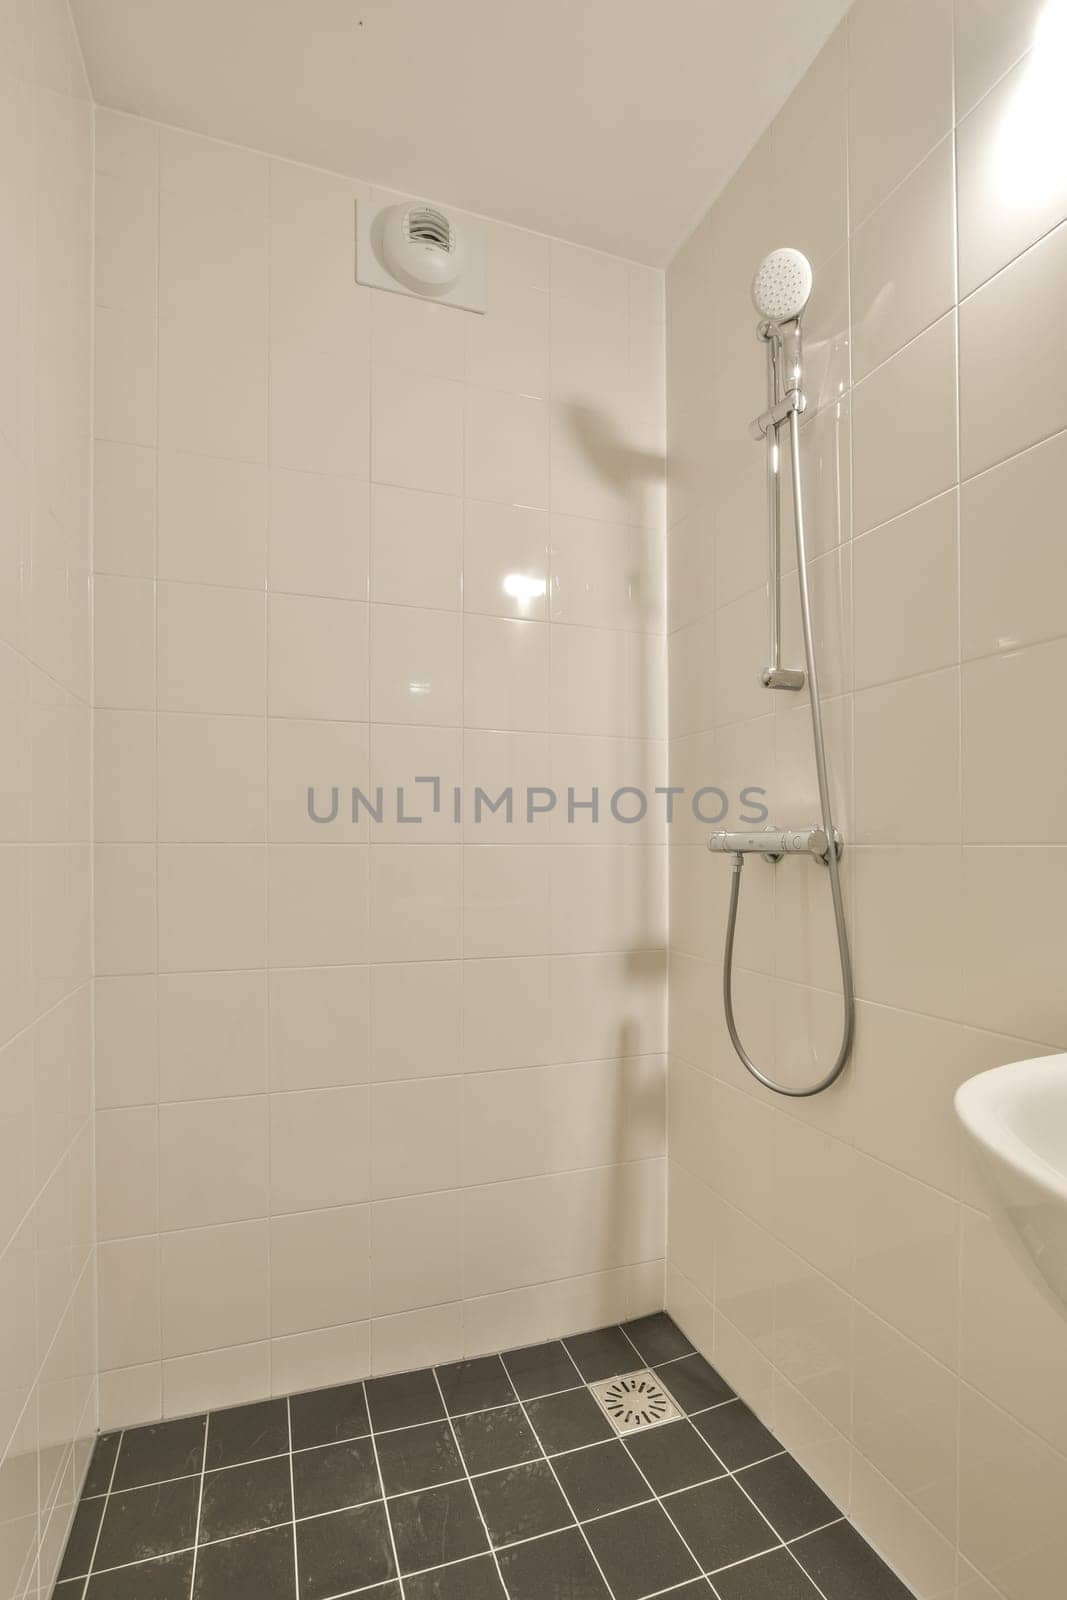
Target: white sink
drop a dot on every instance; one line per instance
(1017, 1118)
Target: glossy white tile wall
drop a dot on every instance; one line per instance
(353, 1090)
(835, 1257)
(47, 1287)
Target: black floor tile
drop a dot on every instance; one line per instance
(556, 1568)
(418, 1458)
(475, 1385)
(719, 1524)
(791, 1501)
(657, 1338)
(521, 1503)
(404, 1400)
(81, 1539)
(603, 1354)
(843, 1565)
(140, 1523)
(640, 1552)
(565, 1421)
(600, 1479)
(247, 1433)
(493, 1439)
(736, 1435)
(261, 1567)
(674, 1457)
(694, 1384)
(242, 1499)
(345, 1535)
(333, 1476)
(346, 1550)
(326, 1416)
(168, 1578)
(98, 1477)
(161, 1451)
(435, 1526)
(773, 1577)
(541, 1369)
(469, 1580)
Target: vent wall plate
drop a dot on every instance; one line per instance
(412, 247)
(636, 1402)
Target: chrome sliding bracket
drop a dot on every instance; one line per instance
(771, 420)
(782, 678)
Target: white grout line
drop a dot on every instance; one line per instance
(779, 1541)
(292, 1500)
(583, 1384)
(385, 1501)
(545, 1456)
(463, 1464)
(199, 1504)
(103, 1514)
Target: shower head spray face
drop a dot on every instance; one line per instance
(782, 285)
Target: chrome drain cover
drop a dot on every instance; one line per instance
(635, 1402)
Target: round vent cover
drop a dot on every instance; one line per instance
(422, 247)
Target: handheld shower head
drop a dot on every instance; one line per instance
(782, 285)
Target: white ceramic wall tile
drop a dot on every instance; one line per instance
(214, 1287)
(896, 56)
(212, 1031)
(211, 650)
(318, 1149)
(213, 1162)
(319, 535)
(124, 510)
(353, 448)
(952, 927)
(907, 567)
(1011, 589)
(319, 1027)
(904, 428)
(416, 549)
(212, 520)
(1008, 399)
(319, 1271)
(417, 431)
(211, 907)
(903, 269)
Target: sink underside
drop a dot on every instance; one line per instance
(1016, 1117)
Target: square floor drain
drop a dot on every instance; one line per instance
(635, 1402)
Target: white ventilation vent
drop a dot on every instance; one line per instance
(418, 249)
(423, 225)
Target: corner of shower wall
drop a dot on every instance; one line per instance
(48, 1389)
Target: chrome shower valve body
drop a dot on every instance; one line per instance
(774, 843)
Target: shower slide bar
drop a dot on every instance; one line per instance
(781, 290)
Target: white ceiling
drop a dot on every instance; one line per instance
(610, 122)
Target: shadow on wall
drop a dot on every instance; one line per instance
(634, 477)
(635, 473)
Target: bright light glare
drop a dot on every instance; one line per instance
(1050, 35)
(1030, 157)
(523, 588)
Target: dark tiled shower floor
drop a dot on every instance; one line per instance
(495, 1479)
